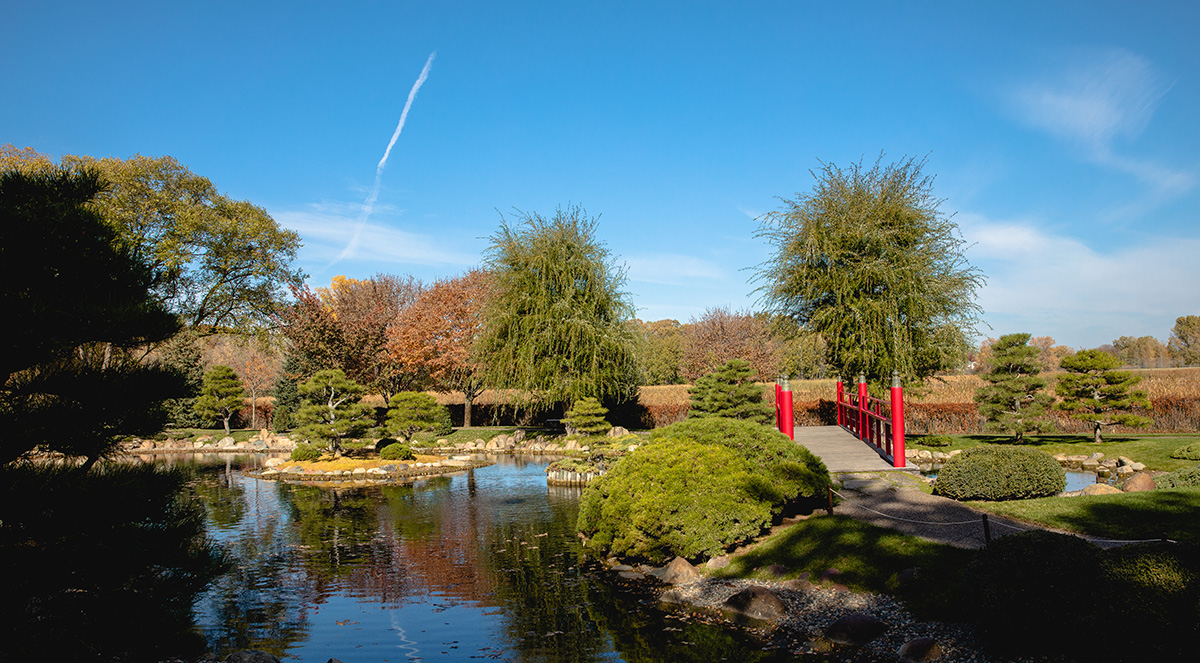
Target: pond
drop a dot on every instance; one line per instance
(478, 565)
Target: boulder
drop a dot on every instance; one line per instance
(518, 436)
(494, 445)
(920, 650)
(617, 431)
(1096, 457)
(756, 603)
(673, 596)
(679, 571)
(621, 567)
(553, 446)
(718, 562)
(1137, 467)
(571, 445)
(359, 470)
(1089, 465)
(940, 456)
(275, 462)
(1124, 470)
(1124, 460)
(798, 585)
(282, 442)
(1100, 489)
(1139, 482)
(954, 453)
(251, 656)
(260, 445)
(227, 441)
(855, 629)
(632, 575)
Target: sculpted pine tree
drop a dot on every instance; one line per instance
(730, 392)
(586, 416)
(868, 261)
(412, 411)
(1014, 400)
(332, 411)
(1093, 391)
(556, 329)
(221, 395)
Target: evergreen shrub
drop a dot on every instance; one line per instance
(935, 441)
(791, 470)
(305, 452)
(1184, 478)
(412, 411)
(677, 497)
(586, 417)
(997, 473)
(729, 391)
(1187, 452)
(397, 451)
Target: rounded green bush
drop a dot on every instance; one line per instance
(1025, 591)
(1154, 592)
(1187, 452)
(791, 470)
(996, 473)
(305, 452)
(1184, 478)
(935, 441)
(397, 451)
(673, 498)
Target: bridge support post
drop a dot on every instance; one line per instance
(786, 415)
(898, 459)
(841, 412)
(864, 422)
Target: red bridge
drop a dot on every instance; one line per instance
(876, 422)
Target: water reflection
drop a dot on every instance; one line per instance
(481, 564)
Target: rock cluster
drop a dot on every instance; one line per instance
(281, 470)
(262, 441)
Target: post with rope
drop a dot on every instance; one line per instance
(987, 530)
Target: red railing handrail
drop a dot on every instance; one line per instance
(864, 416)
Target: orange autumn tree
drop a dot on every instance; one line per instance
(437, 331)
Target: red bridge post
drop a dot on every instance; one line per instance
(897, 422)
(786, 416)
(841, 414)
(864, 423)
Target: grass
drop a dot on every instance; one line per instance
(868, 557)
(471, 434)
(350, 463)
(238, 434)
(1150, 448)
(1171, 513)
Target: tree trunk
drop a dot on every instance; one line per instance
(1096, 434)
(467, 398)
(225, 420)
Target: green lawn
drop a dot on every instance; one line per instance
(1151, 448)
(868, 557)
(484, 433)
(239, 434)
(1172, 514)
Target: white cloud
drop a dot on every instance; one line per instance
(327, 230)
(671, 269)
(1098, 98)
(1059, 285)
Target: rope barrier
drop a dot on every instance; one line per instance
(994, 522)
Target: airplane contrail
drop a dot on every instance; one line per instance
(369, 203)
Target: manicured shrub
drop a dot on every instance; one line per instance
(1030, 590)
(674, 498)
(996, 473)
(305, 452)
(792, 470)
(397, 451)
(1188, 452)
(413, 411)
(1154, 592)
(935, 441)
(586, 417)
(1184, 478)
(729, 391)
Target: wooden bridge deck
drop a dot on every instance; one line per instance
(842, 452)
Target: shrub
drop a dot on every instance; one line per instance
(587, 417)
(1184, 478)
(1188, 452)
(305, 452)
(674, 498)
(935, 441)
(282, 419)
(729, 392)
(1030, 589)
(397, 451)
(1155, 592)
(791, 469)
(413, 411)
(996, 473)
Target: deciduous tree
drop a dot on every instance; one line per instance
(720, 335)
(436, 333)
(1049, 354)
(868, 260)
(1014, 400)
(660, 351)
(1185, 340)
(1141, 351)
(1093, 391)
(556, 329)
(221, 395)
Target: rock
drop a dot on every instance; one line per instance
(920, 650)
(334, 660)
(924, 454)
(205, 438)
(1124, 470)
(954, 453)
(1096, 457)
(673, 596)
(441, 442)
(620, 567)
(295, 469)
(536, 446)
(632, 575)
(1137, 467)
(855, 629)
(910, 452)
(830, 574)
(259, 444)
(617, 431)
(1059, 457)
(376, 471)
(718, 562)
(402, 466)
(679, 571)
(250, 656)
(494, 445)
(454, 462)
(940, 456)
(518, 436)
(798, 585)
(282, 442)
(1089, 465)
(1139, 482)
(269, 473)
(390, 467)
(1124, 460)
(1100, 489)
(275, 462)
(1109, 462)
(227, 442)
(757, 603)
(777, 570)
(571, 445)
(553, 446)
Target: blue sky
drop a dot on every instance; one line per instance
(1063, 135)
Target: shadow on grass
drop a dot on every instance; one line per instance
(1166, 514)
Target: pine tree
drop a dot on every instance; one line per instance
(413, 411)
(1014, 400)
(221, 395)
(729, 392)
(183, 354)
(332, 411)
(587, 417)
(1093, 391)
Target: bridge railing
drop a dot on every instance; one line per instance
(875, 421)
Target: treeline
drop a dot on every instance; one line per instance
(1181, 349)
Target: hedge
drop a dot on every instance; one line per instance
(995, 473)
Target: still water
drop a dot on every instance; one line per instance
(478, 565)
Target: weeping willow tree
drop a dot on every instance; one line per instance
(868, 261)
(556, 329)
